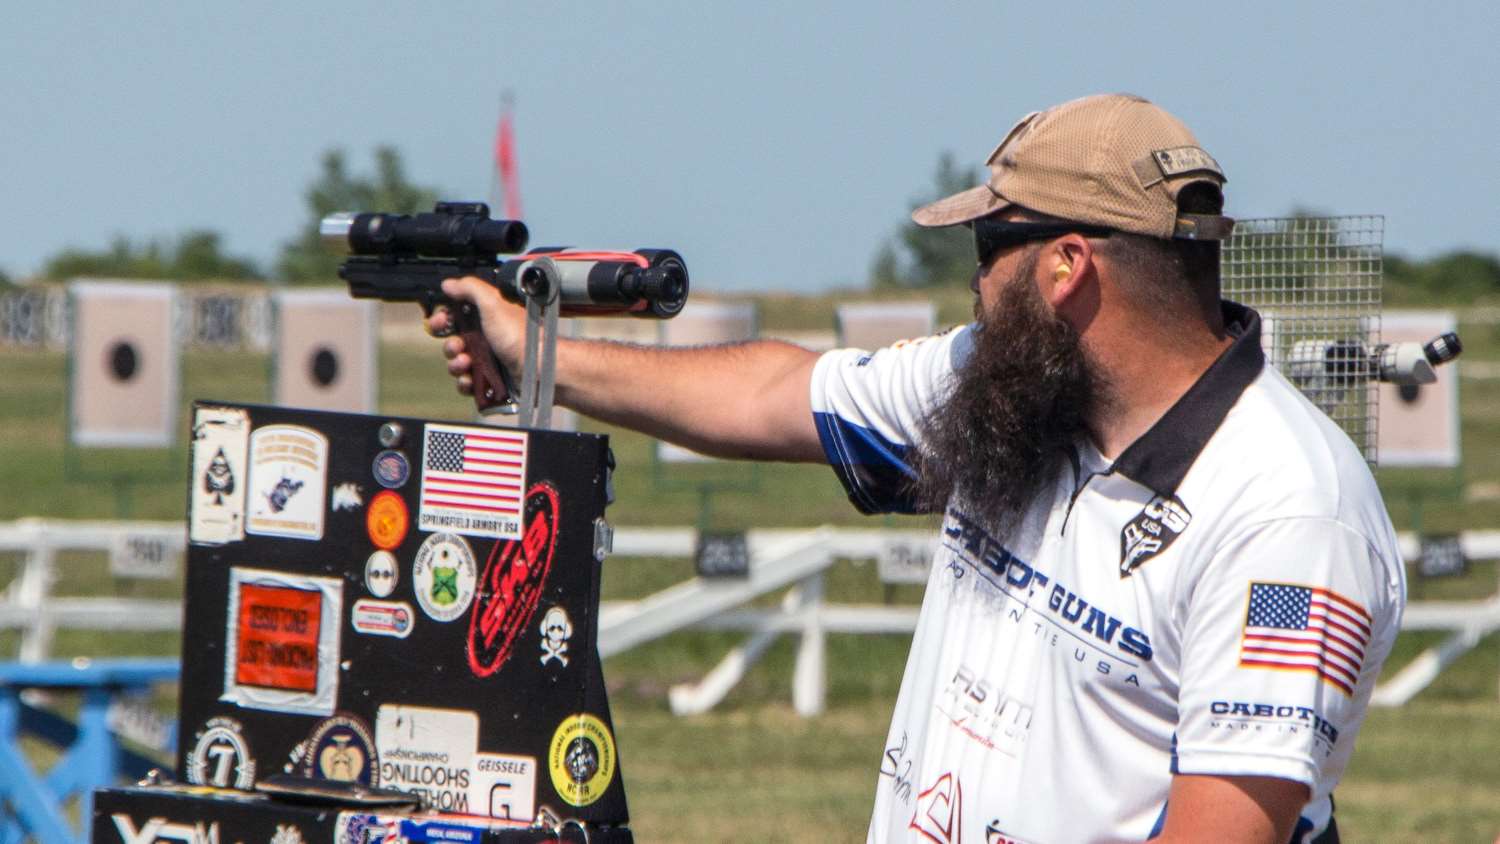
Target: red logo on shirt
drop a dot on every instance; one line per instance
(939, 814)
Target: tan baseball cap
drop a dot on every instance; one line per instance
(1113, 160)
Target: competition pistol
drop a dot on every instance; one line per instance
(404, 258)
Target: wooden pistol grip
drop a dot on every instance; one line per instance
(492, 383)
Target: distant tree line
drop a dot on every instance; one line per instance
(195, 256)
(199, 255)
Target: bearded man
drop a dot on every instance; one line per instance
(1166, 582)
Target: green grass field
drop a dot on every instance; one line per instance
(752, 770)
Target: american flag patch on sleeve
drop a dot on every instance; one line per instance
(1304, 628)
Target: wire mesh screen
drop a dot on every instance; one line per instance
(1316, 282)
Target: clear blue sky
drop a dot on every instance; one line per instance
(775, 144)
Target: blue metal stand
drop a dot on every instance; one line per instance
(31, 803)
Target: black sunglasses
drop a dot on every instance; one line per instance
(991, 236)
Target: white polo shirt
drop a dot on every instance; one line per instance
(1219, 600)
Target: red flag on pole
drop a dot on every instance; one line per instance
(505, 163)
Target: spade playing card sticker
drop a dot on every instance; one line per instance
(288, 476)
(217, 502)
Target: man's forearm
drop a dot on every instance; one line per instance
(741, 400)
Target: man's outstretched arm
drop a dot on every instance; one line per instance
(742, 400)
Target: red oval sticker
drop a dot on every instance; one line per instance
(511, 586)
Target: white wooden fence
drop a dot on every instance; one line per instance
(794, 560)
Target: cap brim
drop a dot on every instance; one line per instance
(961, 207)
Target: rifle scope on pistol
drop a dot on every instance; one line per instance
(404, 258)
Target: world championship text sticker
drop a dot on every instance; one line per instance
(282, 641)
(472, 480)
(581, 759)
(288, 476)
(429, 753)
(216, 505)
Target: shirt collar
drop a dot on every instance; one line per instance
(1161, 457)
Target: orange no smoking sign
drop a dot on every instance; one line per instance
(278, 637)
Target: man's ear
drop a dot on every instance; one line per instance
(1067, 269)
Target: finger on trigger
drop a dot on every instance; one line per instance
(455, 288)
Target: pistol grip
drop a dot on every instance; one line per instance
(492, 382)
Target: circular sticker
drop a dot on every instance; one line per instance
(443, 576)
(220, 757)
(381, 574)
(341, 749)
(581, 759)
(387, 520)
(391, 469)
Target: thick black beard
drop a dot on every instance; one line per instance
(1023, 398)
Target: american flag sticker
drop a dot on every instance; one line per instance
(1303, 628)
(472, 480)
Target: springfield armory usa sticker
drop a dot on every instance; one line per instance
(472, 480)
(288, 476)
(282, 644)
(1151, 532)
(217, 503)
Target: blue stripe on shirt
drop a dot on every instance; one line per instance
(872, 468)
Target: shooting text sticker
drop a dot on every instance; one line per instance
(430, 753)
(217, 502)
(282, 643)
(472, 480)
(288, 473)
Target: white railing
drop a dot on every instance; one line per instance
(791, 559)
(136, 549)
